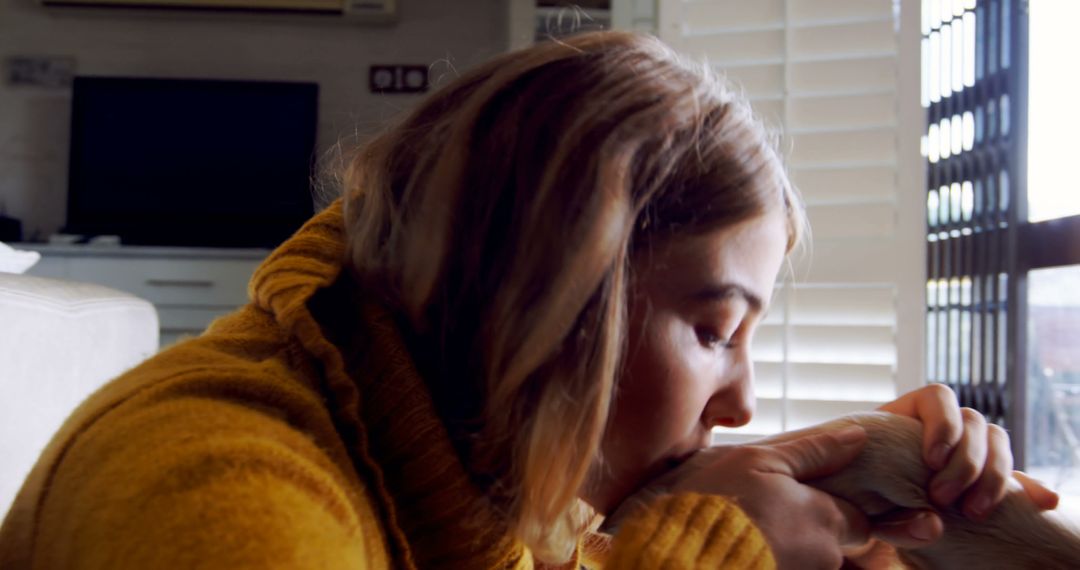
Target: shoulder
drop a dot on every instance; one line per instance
(228, 464)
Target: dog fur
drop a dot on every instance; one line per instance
(890, 475)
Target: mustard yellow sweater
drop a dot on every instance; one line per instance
(262, 444)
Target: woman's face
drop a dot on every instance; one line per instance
(695, 303)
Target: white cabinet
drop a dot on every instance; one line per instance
(189, 286)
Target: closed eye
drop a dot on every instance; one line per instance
(709, 339)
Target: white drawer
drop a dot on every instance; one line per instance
(198, 282)
(51, 267)
(169, 338)
(189, 319)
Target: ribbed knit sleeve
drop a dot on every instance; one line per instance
(178, 477)
(689, 530)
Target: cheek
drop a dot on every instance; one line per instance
(663, 388)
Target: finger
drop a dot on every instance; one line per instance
(853, 528)
(873, 554)
(909, 528)
(965, 464)
(936, 407)
(1043, 497)
(817, 455)
(990, 489)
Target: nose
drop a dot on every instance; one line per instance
(733, 403)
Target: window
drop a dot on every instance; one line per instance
(1053, 191)
(1053, 391)
(844, 333)
(1003, 234)
(1052, 422)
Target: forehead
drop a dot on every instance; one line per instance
(747, 254)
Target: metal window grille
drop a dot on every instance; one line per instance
(975, 90)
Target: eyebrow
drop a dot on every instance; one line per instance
(721, 291)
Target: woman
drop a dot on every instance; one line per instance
(533, 303)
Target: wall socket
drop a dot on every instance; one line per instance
(398, 78)
(56, 72)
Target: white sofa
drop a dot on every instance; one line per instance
(59, 342)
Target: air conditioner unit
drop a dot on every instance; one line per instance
(361, 10)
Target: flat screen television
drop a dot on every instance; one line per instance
(191, 162)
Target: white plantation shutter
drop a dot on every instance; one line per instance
(825, 72)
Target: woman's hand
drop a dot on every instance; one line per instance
(971, 457)
(805, 528)
(972, 460)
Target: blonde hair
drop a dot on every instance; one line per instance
(499, 219)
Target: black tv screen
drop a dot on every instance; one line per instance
(191, 162)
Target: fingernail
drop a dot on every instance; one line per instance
(945, 492)
(921, 527)
(939, 455)
(850, 435)
(979, 507)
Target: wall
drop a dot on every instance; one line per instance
(34, 121)
(910, 257)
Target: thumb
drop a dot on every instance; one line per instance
(1042, 496)
(819, 454)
